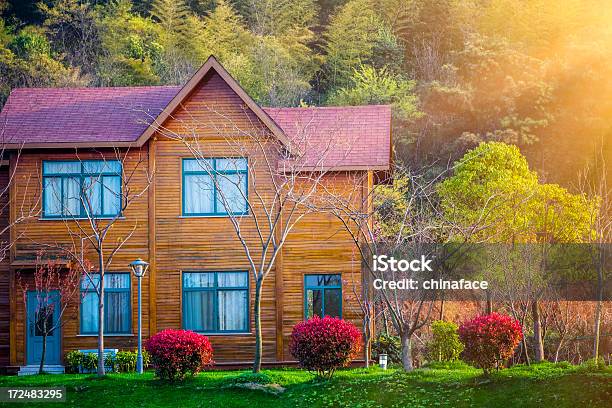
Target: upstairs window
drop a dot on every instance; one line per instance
(322, 295)
(81, 189)
(215, 186)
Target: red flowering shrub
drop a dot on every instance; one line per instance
(490, 340)
(323, 345)
(178, 353)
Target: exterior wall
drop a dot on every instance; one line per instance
(34, 232)
(174, 244)
(4, 270)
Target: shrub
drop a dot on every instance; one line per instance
(445, 344)
(90, 362)
(178, 353)
(74, 361)
(323, 345)
(389, 345)
(125, 361)
(490, 340)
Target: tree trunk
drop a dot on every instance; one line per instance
(366, 340)
(489, 304)
(538, 341)
(441, 307)
(101, 370)
(258, 340)
(597, 328)
(558, 350)
(407, 352)
(44, 350)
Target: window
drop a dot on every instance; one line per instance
(323, 295)
(215, 186)
(216, 302)
(117, 311)
(81, 188)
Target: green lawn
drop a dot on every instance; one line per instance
(540, 385)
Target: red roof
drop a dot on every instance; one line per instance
(345, 137)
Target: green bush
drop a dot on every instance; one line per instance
(74, 361)
(90, 362)
(445, 345)
(592, 365)
(389, 345)
(125, 361)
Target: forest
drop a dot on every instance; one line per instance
(533, 73)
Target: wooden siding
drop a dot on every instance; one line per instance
(4, 270)
(36, 232)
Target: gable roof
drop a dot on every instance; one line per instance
(353, 137)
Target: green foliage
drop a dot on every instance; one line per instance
(74, 361)
(445, 345)
(375, 87)
(125, 361)
(389, 345)
(494, 193)
(355, 32)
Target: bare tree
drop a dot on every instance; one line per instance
(120, 175)
(414, 227)
(594, 183)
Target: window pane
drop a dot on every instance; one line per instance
(44, 321)
(117, 281)
(100, 166)
(233, 310)
(199, 280)
(198, 194)
(231, 164)
(232, 279)
(333, 300)
(72, 196)
(90, 284)
(198, 310)
(52, 167)
(204, 165)
(89, 313)
(111, 195)
(92, 190)
(314, 303)
(323, 280)
(230, 197)
(117, 310)
(53, 199)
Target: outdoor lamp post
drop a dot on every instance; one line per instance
(139, 267)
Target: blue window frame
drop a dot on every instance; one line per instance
(216, 302)
(117, 304)
(77, 189)
(215, 186)
(322, 295)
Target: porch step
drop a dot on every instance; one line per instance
(33, 369)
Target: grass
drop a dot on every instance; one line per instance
(540, 385)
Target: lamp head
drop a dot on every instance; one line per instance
(139, 267)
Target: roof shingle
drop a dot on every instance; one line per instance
(345, 137)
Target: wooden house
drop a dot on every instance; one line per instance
(55, 141)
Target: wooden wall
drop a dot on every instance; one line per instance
(4, 269)
(34, 232)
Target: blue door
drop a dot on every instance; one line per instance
(39, 309)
